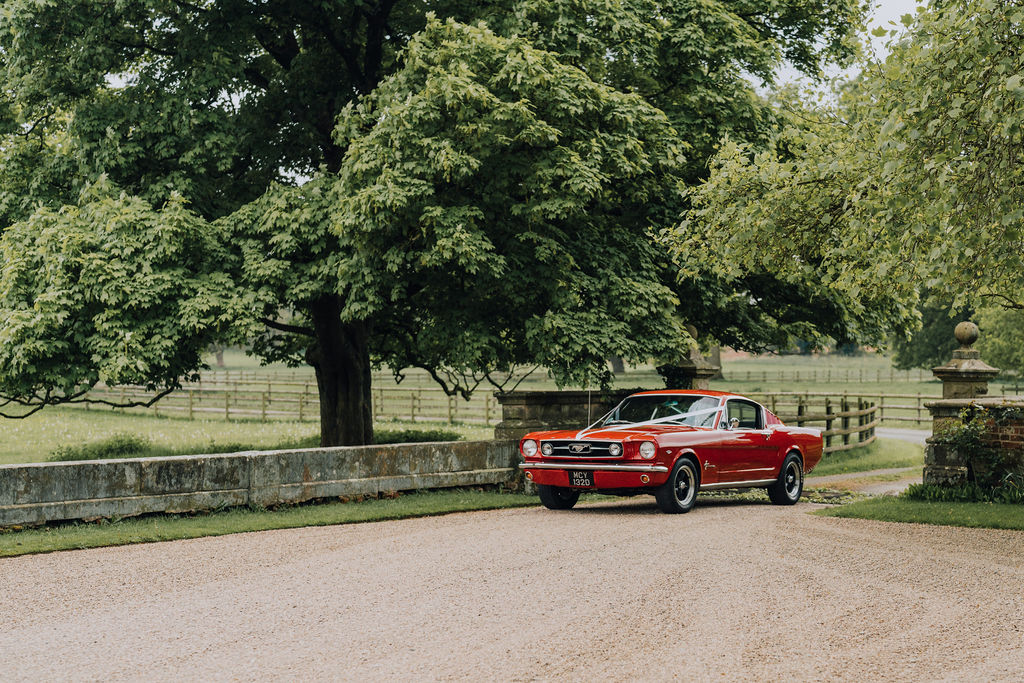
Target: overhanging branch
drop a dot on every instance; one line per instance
(285, 327)
(37, 403)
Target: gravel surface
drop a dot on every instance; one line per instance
(611, 590)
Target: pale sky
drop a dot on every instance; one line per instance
(886, 14)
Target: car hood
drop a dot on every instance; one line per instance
(615, 433)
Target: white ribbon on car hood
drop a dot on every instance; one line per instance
(645, 423)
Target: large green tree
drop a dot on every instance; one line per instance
(912, 180)
(393, 187)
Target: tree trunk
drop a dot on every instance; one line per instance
(341, 359)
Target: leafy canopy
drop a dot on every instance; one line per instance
(912, 179)
(480, 198)
(108, 290)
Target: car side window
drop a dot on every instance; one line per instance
(748, 414)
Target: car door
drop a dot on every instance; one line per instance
(747, 449)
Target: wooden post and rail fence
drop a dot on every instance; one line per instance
(847, 420)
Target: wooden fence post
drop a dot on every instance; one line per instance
(844, 408)
(828, 422)
(263, 406)
(860, 419)
(227, 405)
(801, 410)
(302, 404)
(190, 392)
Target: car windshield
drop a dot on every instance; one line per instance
(695, 411)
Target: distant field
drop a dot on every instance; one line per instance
(34, 438)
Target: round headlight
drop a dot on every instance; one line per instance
(614, 449)
(546, 448)
(647, 449)
(529, 448)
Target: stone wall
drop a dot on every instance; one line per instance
(46, 492)
(523, 412)
(945, 465)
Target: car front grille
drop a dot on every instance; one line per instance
(581, 449)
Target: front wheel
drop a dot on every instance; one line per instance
(557, 497)
(679, 493)
(790, 484)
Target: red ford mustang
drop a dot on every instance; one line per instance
(673, 444)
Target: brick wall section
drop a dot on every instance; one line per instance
(47, 492)
(945, 466)
(1009, 436)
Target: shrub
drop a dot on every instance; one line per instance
(123, 445)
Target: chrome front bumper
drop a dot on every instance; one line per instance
(588, 466)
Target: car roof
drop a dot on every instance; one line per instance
(692, 392)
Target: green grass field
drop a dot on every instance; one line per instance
(893, 509)
(34, 438)
(880, 455)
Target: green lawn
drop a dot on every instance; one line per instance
(172, 527)
(893, 509)
(32, 439)
(880, 455)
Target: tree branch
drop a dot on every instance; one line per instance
(285, 327)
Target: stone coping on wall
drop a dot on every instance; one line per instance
(986, 402)
(37, 493)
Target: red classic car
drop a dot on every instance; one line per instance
(673, 444)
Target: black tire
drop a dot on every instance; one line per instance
(790, 485)
(557, 497)
(679, 493)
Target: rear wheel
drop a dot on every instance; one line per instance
(557, 497)
(790, 484)
(679, 493)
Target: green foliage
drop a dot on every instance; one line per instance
(504, 203)
(933, 343)
(1012, 493)
(123, 445)
(1000, 340)
(109, 290)
(480, 199)
(908, 180)
(989, 468)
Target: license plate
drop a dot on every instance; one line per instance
(581, 478)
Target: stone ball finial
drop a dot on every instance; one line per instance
(966, 333)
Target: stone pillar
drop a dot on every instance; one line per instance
(692, 372)
(966, 375)
(523, 412)
(964, 383)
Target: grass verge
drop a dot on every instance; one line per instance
(892, 509)
(154, 528)
(880, 455)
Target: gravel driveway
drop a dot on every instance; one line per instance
(609, 591)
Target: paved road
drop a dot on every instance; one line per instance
(612, 591)
(911, 435)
